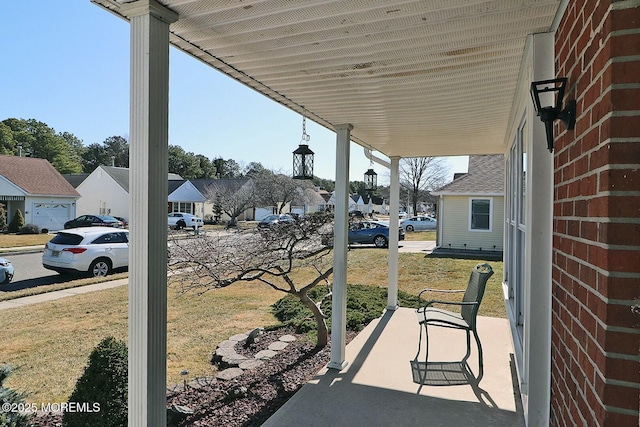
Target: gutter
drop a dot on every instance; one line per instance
(369, 155)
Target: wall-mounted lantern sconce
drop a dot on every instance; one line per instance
(547, 96)
(370, 180)
(303, 156)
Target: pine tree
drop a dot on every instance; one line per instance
(17, 222)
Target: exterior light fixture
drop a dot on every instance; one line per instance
(547, 96)
(370, 179)
(303, 156)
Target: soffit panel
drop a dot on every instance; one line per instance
(414, 78)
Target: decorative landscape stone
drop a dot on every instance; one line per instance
(287, 338)
(229, 374)
(278, 346)
(265, 354)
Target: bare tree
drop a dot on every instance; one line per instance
(270, 257)
(422, 174)
(233, 196)
(273, 188)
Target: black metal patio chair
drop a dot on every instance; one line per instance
(428, 315)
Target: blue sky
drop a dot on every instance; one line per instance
(66, 63)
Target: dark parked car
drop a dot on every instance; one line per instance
(372, 232)
(271, 220)
(93, 221)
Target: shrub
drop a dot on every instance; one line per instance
(29, 229)
(103, 383)
(17, 222)
(3, 218)
(9, 396)
(364, 303)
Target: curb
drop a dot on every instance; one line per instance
(21, 250)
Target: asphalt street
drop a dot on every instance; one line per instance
(30, 273)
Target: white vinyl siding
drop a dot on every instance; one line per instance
(455, 225)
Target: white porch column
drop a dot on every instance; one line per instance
(538, 258)
(148, 199)
(340, 247)
(394, 223)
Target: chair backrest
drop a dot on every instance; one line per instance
(475, 291)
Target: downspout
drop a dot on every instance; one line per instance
(440, 237)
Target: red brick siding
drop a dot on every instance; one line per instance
(596, 244)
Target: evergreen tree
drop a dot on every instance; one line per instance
(17, 222)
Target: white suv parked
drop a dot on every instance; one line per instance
(94, 250)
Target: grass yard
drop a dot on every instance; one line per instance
(15, 240)
(420, 235)
(50, 342)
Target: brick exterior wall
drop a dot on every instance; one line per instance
(595, 376)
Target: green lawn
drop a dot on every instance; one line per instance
(14, 240)
(37, 339)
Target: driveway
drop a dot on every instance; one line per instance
(421, 246)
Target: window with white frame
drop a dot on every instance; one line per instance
(183, 207)
(480, 214)
(515, 227)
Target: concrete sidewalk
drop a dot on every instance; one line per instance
(54, 295)
(21, 250)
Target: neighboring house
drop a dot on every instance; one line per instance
(75, 179)
(106, 192)
(185, 197)
(33, 185)
(373, 204)
(471, 207)
(314, 202)
(203, 186)
(355, 202)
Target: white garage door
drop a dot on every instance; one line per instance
(51, 216)
(261, 213)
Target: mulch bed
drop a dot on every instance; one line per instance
(250, 399)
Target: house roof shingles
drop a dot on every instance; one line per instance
(121, 175)
(35, 176)
(485, 176)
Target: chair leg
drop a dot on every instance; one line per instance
(480, 362)
(419, 342)
(426, 352)
(466, 356)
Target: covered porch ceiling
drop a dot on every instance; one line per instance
(414, 78)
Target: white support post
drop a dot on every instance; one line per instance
(149, 131)
(340, 247)
(394, 224)
(538, 251)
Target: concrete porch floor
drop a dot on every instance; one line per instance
(377, 388)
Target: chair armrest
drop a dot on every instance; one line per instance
(447, 291)
(432, 302)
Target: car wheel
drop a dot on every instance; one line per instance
(380, 241)
(7, 278)
(180, 225)
(100, 267)
(409, 228)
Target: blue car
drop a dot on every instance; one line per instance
(6, 271)
(371, 232)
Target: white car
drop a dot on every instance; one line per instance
(418, 223)
(402, 215)
(179, 220)
(93, 250)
